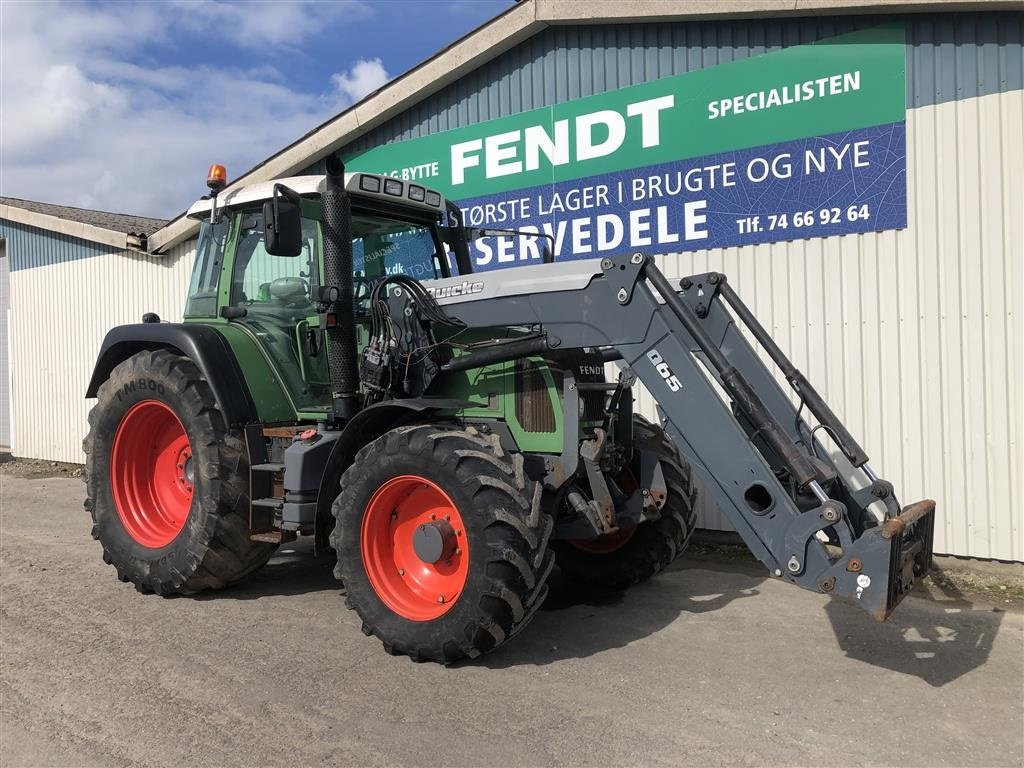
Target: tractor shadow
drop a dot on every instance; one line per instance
(293, 570)
(578, 621)
(937, 634)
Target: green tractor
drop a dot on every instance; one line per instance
(341, 373)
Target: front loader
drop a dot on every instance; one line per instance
(343, 374)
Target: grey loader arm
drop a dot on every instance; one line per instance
(728, 415)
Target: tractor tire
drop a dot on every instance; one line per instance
(167, 482)
(442, 543)
(631, 555)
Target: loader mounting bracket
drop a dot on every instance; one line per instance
(623, 274)
(698, 291)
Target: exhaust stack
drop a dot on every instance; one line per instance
(341, 338)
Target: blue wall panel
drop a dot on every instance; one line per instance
(34, 247)
(950, 56)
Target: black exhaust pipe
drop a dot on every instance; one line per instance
(341, 338)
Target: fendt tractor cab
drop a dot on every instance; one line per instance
(341, 373)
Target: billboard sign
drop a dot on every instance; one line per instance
(808, 141)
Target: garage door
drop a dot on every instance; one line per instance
(5, 350)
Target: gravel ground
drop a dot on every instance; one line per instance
(28, 468)
(710, 663)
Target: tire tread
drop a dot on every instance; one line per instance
(228, 555)
(517, 533)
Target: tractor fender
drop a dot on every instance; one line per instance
(367, 425)
(201, 344)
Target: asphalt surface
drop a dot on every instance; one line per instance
(707, 664)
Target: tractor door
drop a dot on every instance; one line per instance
(271, 296)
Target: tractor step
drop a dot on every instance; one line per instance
(270, 503)
(274, 537)
(284, 432)
(268, 467)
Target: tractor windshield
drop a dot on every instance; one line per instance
(202, 291)
(383, 246)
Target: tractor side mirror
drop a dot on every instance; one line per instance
(282, 223)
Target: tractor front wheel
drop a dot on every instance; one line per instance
(442, 544)
(167, 481)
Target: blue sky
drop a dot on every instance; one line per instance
(122, 106)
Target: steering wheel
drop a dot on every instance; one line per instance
(361, 290)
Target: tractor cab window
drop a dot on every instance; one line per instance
(263, 283)
(202, 290)
(382, 246)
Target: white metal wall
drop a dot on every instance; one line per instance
(5, 358)
(59, 316)
(915, 336)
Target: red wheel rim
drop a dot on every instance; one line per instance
(611, 542)
(405, 583)
(151, 474)
(606, 544)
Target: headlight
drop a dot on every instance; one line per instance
(369, 183)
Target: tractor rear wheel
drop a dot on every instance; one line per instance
(631, 555)
(167, 481)
(442, 544)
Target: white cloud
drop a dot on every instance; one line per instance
(260, 25)
(87, 119)
(62, 102)
(363, 78)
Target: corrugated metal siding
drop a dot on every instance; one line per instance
(5, 358)
(60, 314)
(915, 336)
(951, 56)
(960, 56)
(29, 247)
(911, 335)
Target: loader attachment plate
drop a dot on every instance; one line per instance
(879, 569)
(910, 536)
